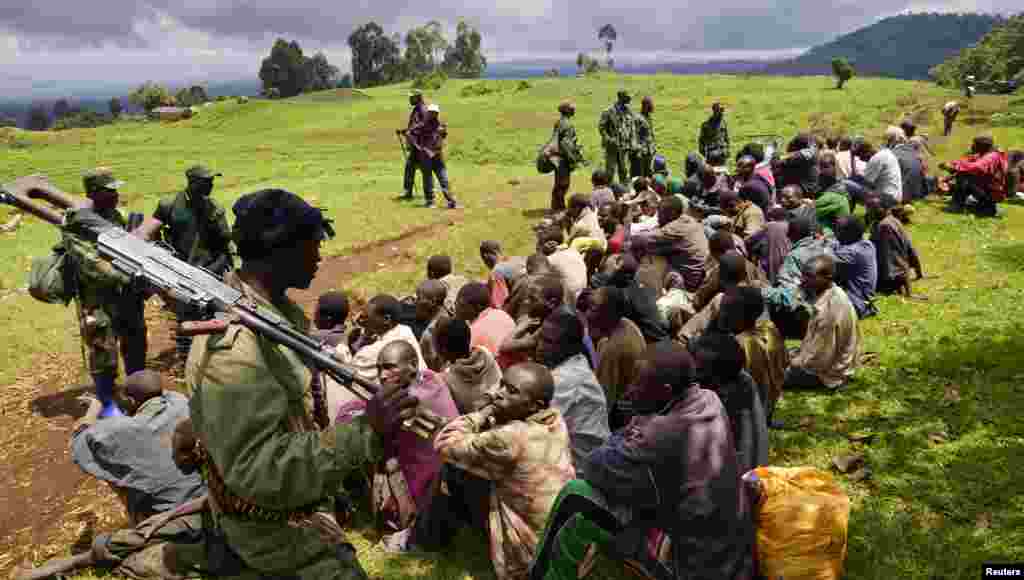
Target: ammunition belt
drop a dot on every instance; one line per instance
(234, 505)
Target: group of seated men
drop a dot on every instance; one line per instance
(603, 395)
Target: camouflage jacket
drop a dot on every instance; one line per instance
(714, 135)
(529, 462)
(618, 129)
(252, 410)
(568, 147)
(646, 144)
(98, 286)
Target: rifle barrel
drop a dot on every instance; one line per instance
(26, 205)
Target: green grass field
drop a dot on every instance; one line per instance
(938, 506)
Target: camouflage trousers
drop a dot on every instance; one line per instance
(617, 163)
(104, 336)
(641, 164)
(173, 552)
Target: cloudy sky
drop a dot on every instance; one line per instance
(55, 42)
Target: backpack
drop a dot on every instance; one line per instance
(49, 280)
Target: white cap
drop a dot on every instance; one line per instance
(433, 108)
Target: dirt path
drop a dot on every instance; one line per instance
(50, 504)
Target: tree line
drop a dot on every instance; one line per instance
(997, 57)
(379, 59)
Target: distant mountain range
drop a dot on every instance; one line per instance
(903, 46)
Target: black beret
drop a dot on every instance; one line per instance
(275, 218)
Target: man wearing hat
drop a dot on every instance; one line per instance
(417, 118)
(111, 312)
(197, 228)
(618, 137)
(431, 153)
(643, 156)
(273, 475)
(567, 151)
(714, 134)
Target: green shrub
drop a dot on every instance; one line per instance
(430, 81)
(478, 89)
(83, 120)
(1008, 119)
(523, 86)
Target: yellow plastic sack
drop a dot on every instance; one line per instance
(802, 521)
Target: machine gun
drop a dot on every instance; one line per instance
(149, 264)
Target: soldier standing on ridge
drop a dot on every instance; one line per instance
(196, 227)
(417, 118)
(643, 157)
(569, 154)
(949, 112)
(714, 134)
(618, 137)
(111, 311)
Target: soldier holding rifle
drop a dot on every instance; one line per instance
(407, 137)
(110, 312)
(271, 473)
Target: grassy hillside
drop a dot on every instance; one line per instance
(903, 46)
(941, 399)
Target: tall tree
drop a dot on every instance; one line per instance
(38, 118)
(183, 97)
(61, 108)
(320, 74)
(197, 94)
(150, 95)
(376, 57)
(425, 47)
(608, 36)
(464, 59)
(843, 71)
(116, 108)
(284, 69)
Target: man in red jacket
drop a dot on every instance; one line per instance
(981, 174)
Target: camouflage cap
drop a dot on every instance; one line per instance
(100, 178)
(415, 93)
(624, 96)
(200, 172)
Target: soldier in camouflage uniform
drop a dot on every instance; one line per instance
(714, 134)
(196, 227)
(569, 154)
(618, 137)
(643, 157)
(111, 311)
(273, 475)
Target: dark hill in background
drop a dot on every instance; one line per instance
(903, 46)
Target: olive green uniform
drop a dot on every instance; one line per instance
(714, 136)
(642, 158)
(569, 155)
(111, 311)
(618, 138)
(197, 230)
(251, 408)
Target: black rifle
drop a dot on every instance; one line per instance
(149, 264)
